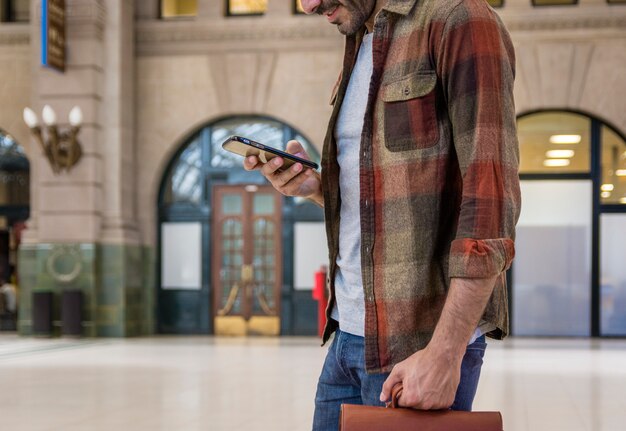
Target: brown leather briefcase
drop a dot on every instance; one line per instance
(394, 418)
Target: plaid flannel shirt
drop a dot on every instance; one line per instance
(439, 185)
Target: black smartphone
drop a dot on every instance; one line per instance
(247, 147)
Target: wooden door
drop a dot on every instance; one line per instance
(247, 256)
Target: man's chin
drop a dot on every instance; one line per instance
(346, 28)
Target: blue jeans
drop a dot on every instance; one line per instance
(344, 380)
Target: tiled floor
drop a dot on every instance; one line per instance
(206, 383)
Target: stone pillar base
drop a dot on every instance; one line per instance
(117, 283)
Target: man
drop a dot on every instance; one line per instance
(421, 196)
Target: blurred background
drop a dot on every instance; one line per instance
(124, 217)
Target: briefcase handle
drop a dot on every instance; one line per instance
(396, 392)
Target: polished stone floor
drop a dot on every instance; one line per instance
(207, 383)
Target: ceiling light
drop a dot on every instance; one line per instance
(605, 195)
(560, 154)
(622, 201)
(607, 187)
(251, 188)
(565, 139)
(556, 163)
(620, 172)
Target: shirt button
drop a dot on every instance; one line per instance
(407, 91)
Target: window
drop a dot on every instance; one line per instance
(568, 277)
(554, 142)
(613, 275)
(560, 143)
(613, 189)
(267, 132)
(14, 173)
(554, 2)
(14, 10)
(297, 7)
(179, 8)
(496, 3)
(202, 157)
(246, 7)
(221, 226)
(184, 183)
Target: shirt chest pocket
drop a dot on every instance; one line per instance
(410, 114)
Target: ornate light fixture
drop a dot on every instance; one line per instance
(61, 148)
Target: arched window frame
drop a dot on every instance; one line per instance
(228, 173)
(598, 208)
(294, 211)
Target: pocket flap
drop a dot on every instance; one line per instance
(409, 87)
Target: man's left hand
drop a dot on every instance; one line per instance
(429, 380)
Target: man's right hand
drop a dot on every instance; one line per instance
(295, 181)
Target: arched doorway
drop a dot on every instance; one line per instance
(14, 211)
(227, 261)
(569, 277)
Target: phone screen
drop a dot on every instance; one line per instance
(246, 147)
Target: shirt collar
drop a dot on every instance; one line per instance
(402, 7)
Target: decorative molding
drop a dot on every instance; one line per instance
(90, 11)
(167, 37)
(14, 34)
(67, 253)
(581, 19)
(159, 32)
(180, 37)
(85, 19)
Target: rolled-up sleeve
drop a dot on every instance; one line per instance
(477, 68)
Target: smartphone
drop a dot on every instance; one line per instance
(247, 147)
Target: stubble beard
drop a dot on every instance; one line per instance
(359, 12)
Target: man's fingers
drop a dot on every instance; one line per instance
(295, 148)
(394, 378)
(250, 163)
(293, 186)
(281, 179)
(268, 169)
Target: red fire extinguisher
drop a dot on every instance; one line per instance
(321, 296)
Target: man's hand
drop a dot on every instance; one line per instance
(295, 181)
(429, 380)
(430, 377)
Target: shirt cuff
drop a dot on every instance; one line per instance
(480, 258)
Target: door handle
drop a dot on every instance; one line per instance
(247, 274)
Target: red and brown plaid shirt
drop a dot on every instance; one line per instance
(439, 186)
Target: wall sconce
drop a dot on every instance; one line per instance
(61, 148)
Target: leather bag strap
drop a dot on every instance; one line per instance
(396, 393)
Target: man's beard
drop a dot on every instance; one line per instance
(359, 12)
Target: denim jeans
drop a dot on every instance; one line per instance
(344, 380)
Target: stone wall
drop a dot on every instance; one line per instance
(115, 280)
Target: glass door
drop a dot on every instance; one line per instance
(247, 249)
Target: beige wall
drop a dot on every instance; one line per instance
(583, 72)
(178, 94)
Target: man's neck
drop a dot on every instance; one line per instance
(370, 22)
